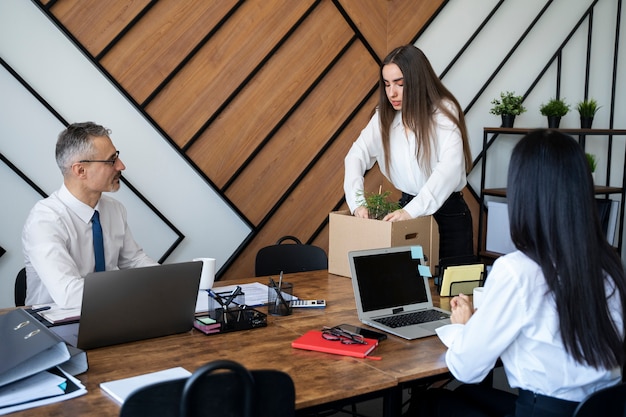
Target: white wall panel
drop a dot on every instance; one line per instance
(78, 91)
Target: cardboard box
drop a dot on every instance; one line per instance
(348, 233)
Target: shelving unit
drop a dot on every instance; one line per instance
(490, 134)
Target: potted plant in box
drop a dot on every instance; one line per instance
(508, 106)
(587, 110)
(378, 204)
(554, 110)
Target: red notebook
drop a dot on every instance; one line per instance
(313, 340)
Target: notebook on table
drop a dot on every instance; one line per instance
(392, 295)
(313, 340)
(135, 304)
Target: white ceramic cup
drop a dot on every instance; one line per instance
(478, 296)
(208, 272)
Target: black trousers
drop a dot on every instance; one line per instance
(483, 401)
(456, 235)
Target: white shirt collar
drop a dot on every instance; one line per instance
(82, 210)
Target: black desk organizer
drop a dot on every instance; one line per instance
(229, 310)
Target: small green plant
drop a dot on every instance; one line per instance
(508, 103)
(378, 204)
(587, 108)
(555, 107)
(591, 160)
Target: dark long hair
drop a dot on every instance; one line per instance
(554, 221)
(423, 93)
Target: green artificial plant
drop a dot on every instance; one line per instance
(378, 204)
(508, 104)
(554, 108)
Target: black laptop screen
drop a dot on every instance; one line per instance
(389, 280)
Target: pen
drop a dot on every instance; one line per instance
(37, 310)
(232, 296)
(280, 281)
(279, 293)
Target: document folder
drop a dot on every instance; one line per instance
(461, 279)
(27, 347)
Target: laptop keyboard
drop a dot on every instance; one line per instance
(416, 317)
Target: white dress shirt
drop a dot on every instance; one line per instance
(447, 163)
(58, 246)
(518, 322)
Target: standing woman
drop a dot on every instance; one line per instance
(419, 139)
(552, 311)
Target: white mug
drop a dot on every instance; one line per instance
(478, 296)
(208, 272)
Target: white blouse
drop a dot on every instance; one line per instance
(447, 163)
(518, 322)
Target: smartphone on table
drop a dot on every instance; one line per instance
(367, 333)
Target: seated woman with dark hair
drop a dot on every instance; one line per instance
(552, 311)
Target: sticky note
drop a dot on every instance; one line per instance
(424, 271)
(417, 252)
(206, 320)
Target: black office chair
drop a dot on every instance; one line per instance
(297, 257)
(20, 288)
(606, 402)
(222, 388)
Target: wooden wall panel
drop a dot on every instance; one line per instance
(311, 201)
(292, 148)
(279, 85)
(95, 22)
(370, 17)
(264, 96)
(222, 65)
(406, 18)
(157, 44)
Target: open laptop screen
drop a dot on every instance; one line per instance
(389, 280)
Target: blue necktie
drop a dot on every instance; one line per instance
(98, 242)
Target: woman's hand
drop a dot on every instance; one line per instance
(361, 212)
(462, 309)
(397, 215)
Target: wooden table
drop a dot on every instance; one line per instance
(319, 378)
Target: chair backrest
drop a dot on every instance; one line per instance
(20, 288)
(221, 387)
(609, 401)
(297, 257)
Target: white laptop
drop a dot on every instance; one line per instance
(135, 304)
(388, 286)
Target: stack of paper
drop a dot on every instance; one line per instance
(40, 389)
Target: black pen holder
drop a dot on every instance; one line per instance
(234, 315)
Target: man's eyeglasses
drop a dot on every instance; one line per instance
(336, 334)
(111, 161)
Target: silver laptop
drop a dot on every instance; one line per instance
(388, 287)
(135, 304)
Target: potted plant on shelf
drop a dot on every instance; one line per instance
(378, 204)
(554, 110)
(593, 163)
(587, 109)
(508, 106)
